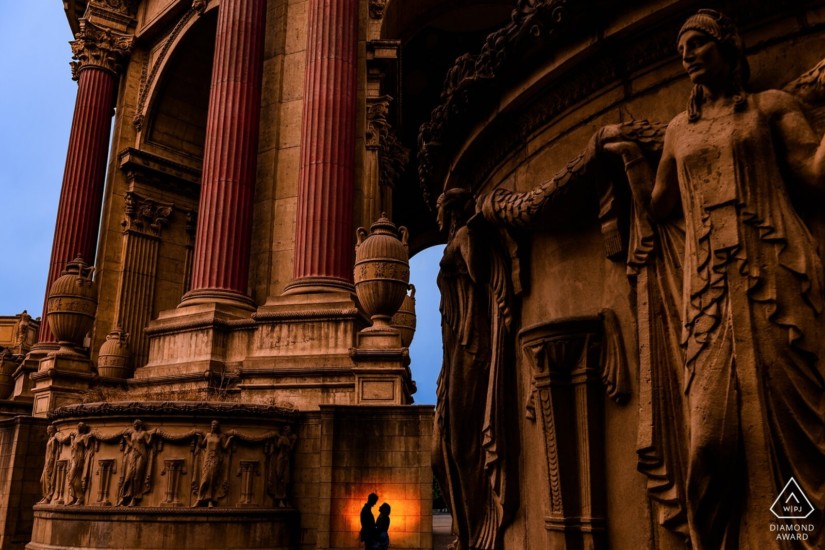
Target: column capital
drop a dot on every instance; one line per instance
(144, 216)
(96, 46)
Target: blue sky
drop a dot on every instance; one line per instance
(36, 104)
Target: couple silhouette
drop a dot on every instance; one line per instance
(374, 533)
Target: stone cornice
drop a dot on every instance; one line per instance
(147, 409)
(98, 47)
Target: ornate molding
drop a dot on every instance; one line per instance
(149, 76)
(161, 408)
(99, 47)
(145, 216)
(380, 136)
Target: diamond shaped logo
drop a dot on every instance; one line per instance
(792, 503)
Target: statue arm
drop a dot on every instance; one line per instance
(804, 152)
(665, 194)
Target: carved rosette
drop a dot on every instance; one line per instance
(71, 305)
(98, 47)
(382, 271)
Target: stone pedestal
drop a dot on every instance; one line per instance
(60, 380)
(382, 372)
(194, 347)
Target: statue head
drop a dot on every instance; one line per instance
(82, 428)
(51, 430)
(454, 207)
(138, 425)
(714, 57)
(216, 426)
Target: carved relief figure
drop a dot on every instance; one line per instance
(752, 308)
(82, 445)
(283, 445)
(137, 456)
(47, 478)
(472, 456)
(213, 448)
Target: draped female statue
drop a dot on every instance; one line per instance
(752, 289)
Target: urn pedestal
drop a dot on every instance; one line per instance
(382, 277)
(66, 373)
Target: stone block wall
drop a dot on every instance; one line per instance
(22, 440)
(346, 452)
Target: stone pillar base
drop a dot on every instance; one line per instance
(22, 375)
(382, 372)
(60, 380)
(194, 347)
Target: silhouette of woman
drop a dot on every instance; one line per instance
(382, 526)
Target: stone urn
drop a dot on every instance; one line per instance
(115, 357)
(382, 271)
(8, 364)
(72, 304)
(404, 318)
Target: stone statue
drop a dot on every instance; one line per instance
(82, 445)
(47, 478)
(472, 459)
(23, 329)
(213, 449)
(281, 468)
(137, 461)
(752, 286)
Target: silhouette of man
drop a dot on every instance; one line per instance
(368, 531)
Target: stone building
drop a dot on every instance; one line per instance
(619, 371)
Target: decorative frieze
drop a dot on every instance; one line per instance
(260, 461)
(98, 47)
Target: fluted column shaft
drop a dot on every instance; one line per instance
(222, 245)
(81, 196)
(324, 226)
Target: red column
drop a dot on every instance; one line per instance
(222, 245)
(81, 196)
(324, 232)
